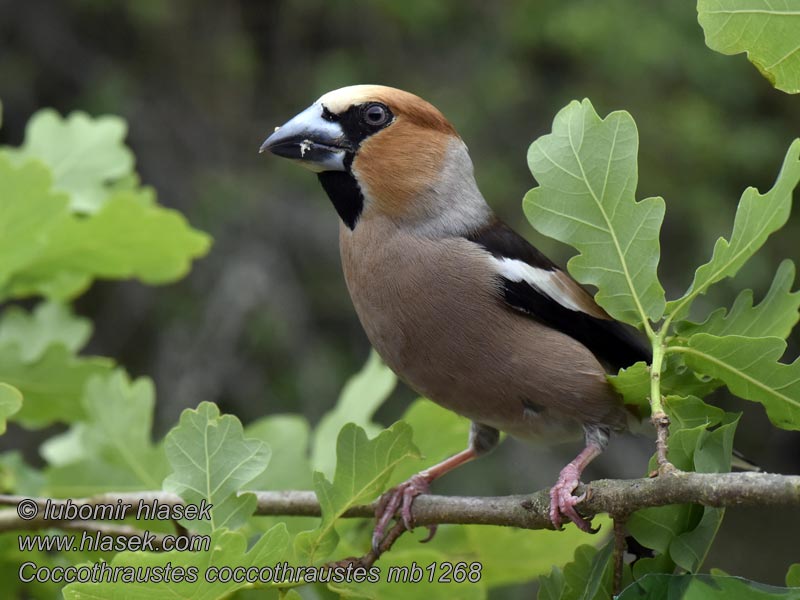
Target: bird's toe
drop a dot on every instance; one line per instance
(399, 497)
(563, 501)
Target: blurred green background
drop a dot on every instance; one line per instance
(264, 324)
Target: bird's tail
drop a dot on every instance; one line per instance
(741, 463)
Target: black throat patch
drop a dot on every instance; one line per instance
(345, 194)
(341, 186)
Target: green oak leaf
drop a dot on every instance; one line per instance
(52, 385)
(587, 577)
(633, 383)
(130, 236)
(713, 454)
(598, 582)
(362, 395)
(227, 549)
(212, 460)
(363, 467)
(552, 586)
(291, 469)
(10, 403)
(10, 562)
(65, 449)
(511, 555)
(46, 250)
(775, 316)
(85, 154)
(17, 476)
(657, 527)
(793, 576)
(690, 412)
(587, 174)
(765, 30)
(111, 449)
(708, 587)
(750, 369)
(660, 563)
(288, 469)
(29, 211)
(676, 379)
(757, 217)
(689, 549)
(49, 323)
(684, 533)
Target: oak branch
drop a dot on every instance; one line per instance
(617, 497)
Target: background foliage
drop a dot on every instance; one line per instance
(263, 324)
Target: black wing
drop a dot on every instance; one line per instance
(615, 344)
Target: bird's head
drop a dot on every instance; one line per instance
(375, 149)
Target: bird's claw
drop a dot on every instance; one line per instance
(562, 501)
(399, 497)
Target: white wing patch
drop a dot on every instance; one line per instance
(553, 284)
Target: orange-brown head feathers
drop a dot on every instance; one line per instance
(396, 164)
(379, 150)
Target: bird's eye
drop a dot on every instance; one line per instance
(376, 114)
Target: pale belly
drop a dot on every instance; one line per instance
(442, 327)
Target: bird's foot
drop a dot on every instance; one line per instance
(399, 497)
(562, 500)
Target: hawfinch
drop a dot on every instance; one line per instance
(461, 307)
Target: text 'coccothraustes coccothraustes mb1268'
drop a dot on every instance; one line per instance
(462, 308)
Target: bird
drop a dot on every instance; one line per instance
(461, 307)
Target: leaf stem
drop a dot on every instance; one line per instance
(657, 415)
(656, 406)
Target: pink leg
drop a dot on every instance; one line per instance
(402, 496)
(562, 501)
(482, 439)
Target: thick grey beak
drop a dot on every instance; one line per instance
(314, 142)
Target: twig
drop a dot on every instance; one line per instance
(661, 423)
(620, 546)
(613, 496)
